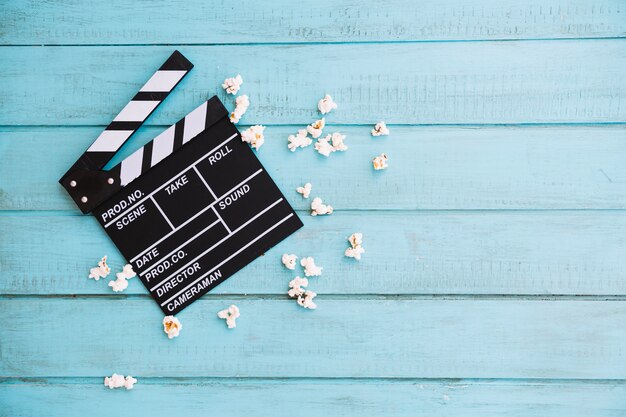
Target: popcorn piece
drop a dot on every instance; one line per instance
(300, 140)
(337, 139)
(241, 106)
(114, 381)
(101, 271)
(356, 239)
(380, 162)
(380, 129)
(254, 136)
(306, 300)
(171, 326)
(289, 261)
(121, 283)
(318, 208)
(323, 146)
(310, 269)
(129, 382)
(232, 85)
(355, 251)
(315, 128)
(326, 104)
(118, 285)
(305, 190)
(296, 285)
(230, 314)
(127, 272)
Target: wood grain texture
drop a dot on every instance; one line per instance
(277, 338)
(561, 167)
(407, 253)
(439, 83)
(197, 21)
(272, 398)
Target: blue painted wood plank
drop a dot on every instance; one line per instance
(311, 398)
(277, 338)
(196, 21)
(406, 83)
(406, 253)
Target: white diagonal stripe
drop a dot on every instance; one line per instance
(195, 122)
(110, 140)
(162, 145)
(131, 167)
(136, 111)
(163, 80)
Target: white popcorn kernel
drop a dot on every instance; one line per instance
(289, 261)
(354, 252)
(318, 208)
(305, 190)
(118, 285)
(380, 129)
(230, 314)
(114, 381)
(300, 140)
(324, 147)
(315, 128)
(326, 104)
(337, 140)
(129, 382)
(380, 162)
(241, 106)
(310, 269)
(127, 272)
(306, 300)
(101, 271)
(232, 85)
(171, 326)
(356, 239)
(295, 287)
(254, 136)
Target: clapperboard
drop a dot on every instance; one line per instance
(188, 209)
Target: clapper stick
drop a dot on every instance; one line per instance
(85, 181)
(188, 209)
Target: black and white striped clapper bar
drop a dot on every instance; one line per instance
(188, 209)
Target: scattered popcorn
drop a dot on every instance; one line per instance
(305, 190)
(232, 85)
(101, 271)
(118, 285)
(230, 314)
(121, 283)
(127, 272)
(289, 261)
(355, 251)
(114, 381)
(296, 285)
(254, 136)
(326, 104)
(118, 381)
(337, 139)
(241, 106)
(310, 269)
(380, 162)
(318, 208)
(380, 129)
(306, 300)
(300, 140)
(315, 128)
(323, 146)
(171, 326)
(129, 382)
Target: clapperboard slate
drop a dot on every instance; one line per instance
(191, 207)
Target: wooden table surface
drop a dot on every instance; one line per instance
(494, 282)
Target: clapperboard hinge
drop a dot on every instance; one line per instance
(189, 208)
